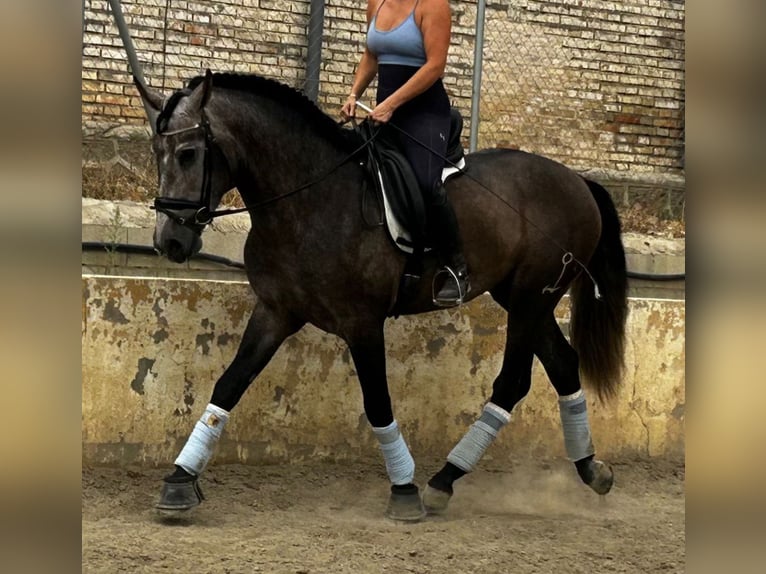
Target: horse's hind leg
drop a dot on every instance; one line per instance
(510, 386)
(368, 352)
(265, 332)
(561, 364)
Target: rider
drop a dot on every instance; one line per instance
(407, 43)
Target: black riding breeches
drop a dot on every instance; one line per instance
(426, 119)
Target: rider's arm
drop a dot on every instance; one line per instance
(435, 25)
(365, 72)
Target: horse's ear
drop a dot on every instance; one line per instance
(202, 92)
(152, 102)
(207, 89)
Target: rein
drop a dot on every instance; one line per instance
(202, 214)
(568, 256)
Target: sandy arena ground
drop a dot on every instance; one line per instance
(319, 517)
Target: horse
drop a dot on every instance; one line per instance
(532, 230)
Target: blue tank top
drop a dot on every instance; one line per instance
(401, 45)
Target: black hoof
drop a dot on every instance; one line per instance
(405, 504)
(178, 497)
(435, 501)
(596, 474)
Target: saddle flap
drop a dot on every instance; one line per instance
(395, 181)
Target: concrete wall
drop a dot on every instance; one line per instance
(153, 348)
(129, 222)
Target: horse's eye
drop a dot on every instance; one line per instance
(186, 157)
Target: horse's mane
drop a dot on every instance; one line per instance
(274, 90)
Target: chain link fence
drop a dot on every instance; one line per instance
(593, 84)
(596, 85)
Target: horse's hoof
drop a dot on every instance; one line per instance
(405, 504)
(178, 497)
(435, 500)
(602, 477)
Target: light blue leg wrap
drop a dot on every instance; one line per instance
(399, 462)
(475, 442)
(201, 443)
(574, 421)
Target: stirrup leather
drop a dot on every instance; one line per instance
(451, 276)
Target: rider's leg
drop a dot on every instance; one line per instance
(425, 147)
(445, 231)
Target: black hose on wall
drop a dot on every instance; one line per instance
(147, 250)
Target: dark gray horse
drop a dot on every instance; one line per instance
(530, 228)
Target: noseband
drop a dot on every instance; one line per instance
(179, 209)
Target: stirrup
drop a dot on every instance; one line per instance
(455, 279)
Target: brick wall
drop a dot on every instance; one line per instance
(589, 82)
(595, 84)
(176, 40)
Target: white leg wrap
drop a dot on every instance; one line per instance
(475, 442)
(199, 448)
(399, 462)
(574, 421)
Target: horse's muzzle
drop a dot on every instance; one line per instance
(177, 243)
(179, 253)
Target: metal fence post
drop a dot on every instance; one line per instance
(127, 42)
(314, 57)
(476, 84)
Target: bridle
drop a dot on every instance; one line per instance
(178, 209)
(193, 214)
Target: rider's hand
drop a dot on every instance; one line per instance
(382, 112)
(348, 110)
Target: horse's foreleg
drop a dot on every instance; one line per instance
(561, 364)
(265, 332)
(510, 386)
(370, 360)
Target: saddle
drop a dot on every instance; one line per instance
(396, 186)
(397, 189)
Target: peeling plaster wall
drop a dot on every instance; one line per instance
(153, 348)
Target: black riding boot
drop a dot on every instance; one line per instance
(444, 230)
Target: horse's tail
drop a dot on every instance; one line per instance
(598, 325)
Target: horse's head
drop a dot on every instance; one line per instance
(193, 173)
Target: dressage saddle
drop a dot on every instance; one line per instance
(394, 181)
(403, 204)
